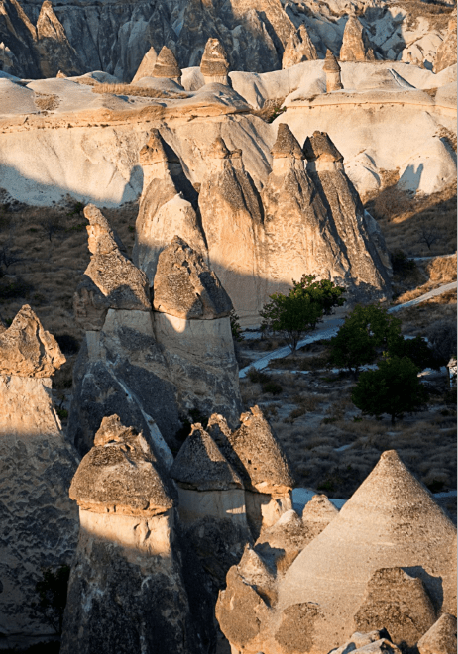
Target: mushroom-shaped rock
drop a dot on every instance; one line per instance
(185, 287)
(27, 349)
(110, 281)
(440, 638)
(317, 514)
(355, 44)
(332, 69)
(146, 68)
(166, 65)
(391, 521)
(319, 147)
(286, 145)
(200, 465)
(120, 473)
(214, 65)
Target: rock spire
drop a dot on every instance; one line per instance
(446, 52)
(355, 45)
(300, 48)
(286, 145)
(214, 65)
(332, 69)
(167, 66)
(146, 68)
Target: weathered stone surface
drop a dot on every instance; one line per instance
(27, 349)
(38, 523)
(332, 70)
(355, 45)
(136, 599)
(146, 67)
(199, 465)
(167, 206)
(185, 287)
(374, 642)
(214, 65)
(440, 638)
(317, 514)
(120, 474)
(166, 65)
(446, 52)
(300, 48)
(110, 281)
(395, 599)
(54, 50)
(284, 540)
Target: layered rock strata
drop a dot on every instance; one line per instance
(214, 65)
(126, 591)
(332, 69)
(192, 324)
(38, 523)
(167, 206)
(166, 66)
(390, 539)
(300, 48)
(355, 44)
(256, 455)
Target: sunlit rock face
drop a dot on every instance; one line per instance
(38, 524)
(355, 45)
(126, 590)
(386, 557)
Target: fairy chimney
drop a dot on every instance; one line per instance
(355, 44)
(214, 65)
(332, 69)
(166, 66)
(146, 68)
(299, 48)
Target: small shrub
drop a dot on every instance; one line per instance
(62, 413)
(272, 387)
(76, 210)
(257, 376)
(235, 327)
(14, 288)
(52, 593)
(401, 264)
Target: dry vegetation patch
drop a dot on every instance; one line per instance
(46, 101)
(142, 91)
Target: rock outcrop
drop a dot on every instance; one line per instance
(192, 324)
(167, 66)
(146, 68)
(299, 48)
(126, 591)
(383, 561)
(440, 638)
(256, 455)
(332, 69)
(38, 523)
(446, 52)
(167, 206)
(214, 65)
(374, 642)
(54, 50)
(355, 45)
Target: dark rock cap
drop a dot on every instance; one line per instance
(157, 150)
(185, 287)
(120, 473)
(330, 63)
(27, 349)
(219, 150)
(200, 465)
(286, 144)
(214, 59)
(166, 65)
(320, 146)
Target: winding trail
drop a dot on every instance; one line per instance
(330, 328)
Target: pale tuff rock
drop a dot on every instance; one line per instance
(355, 545)
(192, 324)
(374, 642)
(200, 465)
(286, 146)
(53, 47)
(27, 349)
(167, 66)
(332, 70)
(127, 549)
(325, 165)
(110, 281)
(146, 68)
(185, 287)
(300, 48)
(355, 45)
(398, 600)
(283, 541)
(446, 52)
(317, 514)
(440, 638)
(167, 206)
(38, 524)
(231, 214)
(120, 474)
(214, 65)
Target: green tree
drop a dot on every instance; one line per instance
(416, 349)
(393, 389)
(359, 339)
(298, 312)
(52, 594)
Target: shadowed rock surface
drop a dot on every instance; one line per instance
(38, 524)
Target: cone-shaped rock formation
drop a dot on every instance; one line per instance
(166, 65)
(214, 65)
(332, 69)
(355, 44)
(300, 48)
(39, 525)
(146, 68)
(446, 52)
(52, 45)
